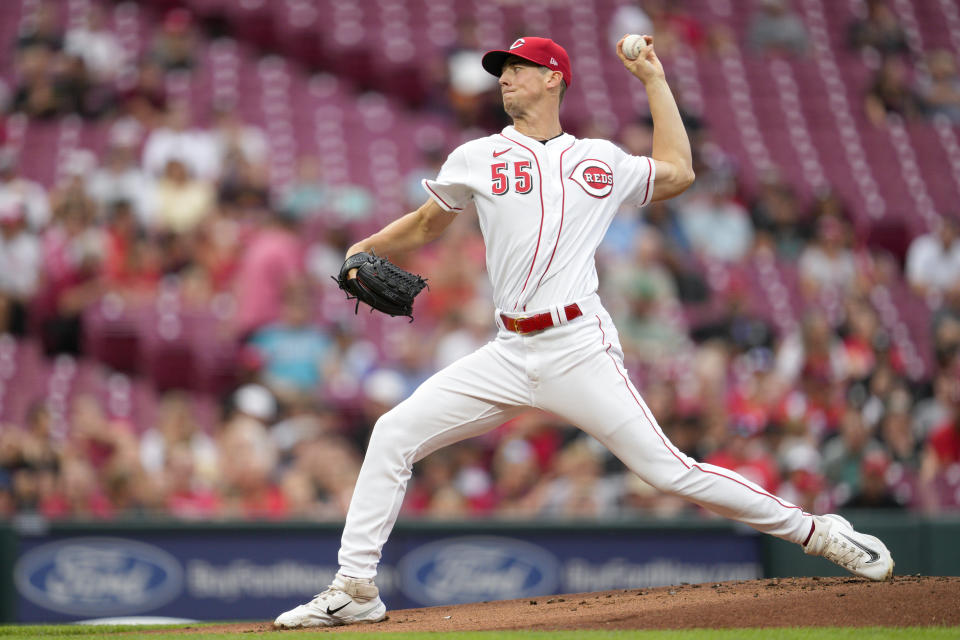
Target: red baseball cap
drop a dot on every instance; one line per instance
(542, 51)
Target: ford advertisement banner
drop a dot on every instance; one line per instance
(255, 575)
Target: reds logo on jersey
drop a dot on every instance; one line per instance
(594, 176)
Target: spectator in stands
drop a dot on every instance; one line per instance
(629, 18)
(130, 490)
(101, 441)
(804, 484)
(717, 225)
(30, 460)
(41, 30)
(38, 47)
(776, 216)
(97, 45)
(350, 202)
(814, 351)
(873, 492)
(29, 488)
(472, 480)
(664, 218)
(639, 498)
(248, 456)
(827, 263)
(469, 89)
(946, 325)
(72, 191)
(879, 31)
(175, 46)
(176, 427)
(673, 26)
(896, 433)
(318, 480)
(304, 421)
(243, 185)
(144, 96)
(940, 88)
(743, 450)
(294, 351)
(120, 178)
(232, 135)
(891, 94)
(862, 336)
(20, 267)
(179, 140)
(515, 473)
(826, 203)
(933, 260)
(186, 495)
(77, 93)
(132, 264)
(844, 454)
(300, 496)
(463, 332)
(644, 272)
(72, 252)
(182, 201)
(14, 186)
(935, 410)
(751, 396)
(578, 488)
(447, 503)
(435, 472)
(335, 465)
(247, 463)
(775, 29)
(41, 448)
(272, 261)
(211, 258)
(648, 328)
(943, 444)
(308, 196)
(8, 506)
(429, 164)
(76, 493)
(36, 97)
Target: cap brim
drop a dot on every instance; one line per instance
(493, 61)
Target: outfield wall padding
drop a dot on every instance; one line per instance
(65, 571)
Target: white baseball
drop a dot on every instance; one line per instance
(632, 45)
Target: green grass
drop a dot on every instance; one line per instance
(805, 633)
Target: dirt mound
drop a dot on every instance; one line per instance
(785, 602)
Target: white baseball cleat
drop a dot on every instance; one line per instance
(862, 555)
(346, 601)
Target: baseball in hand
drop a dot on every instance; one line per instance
(632, 45)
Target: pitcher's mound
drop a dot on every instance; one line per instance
(784, 602)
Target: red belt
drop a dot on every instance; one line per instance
(539, 322)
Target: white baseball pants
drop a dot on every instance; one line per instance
(575, 371)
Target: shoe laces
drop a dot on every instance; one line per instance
(323, 595)
(843, 553)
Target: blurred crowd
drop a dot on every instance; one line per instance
(826, 410)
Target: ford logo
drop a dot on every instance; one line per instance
(98, 576)
(473, 569)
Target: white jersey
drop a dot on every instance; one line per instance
(543, 209)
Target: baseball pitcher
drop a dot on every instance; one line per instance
(545, 200)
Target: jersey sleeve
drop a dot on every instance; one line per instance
(636, 174)
(451, 189)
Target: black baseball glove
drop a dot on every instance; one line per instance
(380, 283)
